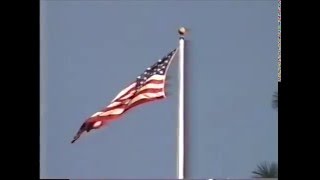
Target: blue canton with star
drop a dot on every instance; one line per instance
(159, 68)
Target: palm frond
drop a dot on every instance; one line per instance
(266, 170)
(275, 100)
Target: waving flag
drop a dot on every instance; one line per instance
(149, 86)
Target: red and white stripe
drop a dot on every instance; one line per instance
(153, 89)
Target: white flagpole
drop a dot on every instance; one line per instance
(180, 155)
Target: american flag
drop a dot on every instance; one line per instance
(148, 86)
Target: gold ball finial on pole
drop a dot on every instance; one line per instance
(182, 31)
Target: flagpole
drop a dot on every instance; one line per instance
(180, 155)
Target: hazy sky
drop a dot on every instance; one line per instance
(91, 50)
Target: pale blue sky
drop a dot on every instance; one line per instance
(91, 50)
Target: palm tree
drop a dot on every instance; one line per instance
(275, 100)
(266, 170)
